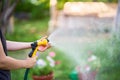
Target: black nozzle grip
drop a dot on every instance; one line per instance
(33, 46)
(31, 53)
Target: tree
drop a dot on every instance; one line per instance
(6, 10)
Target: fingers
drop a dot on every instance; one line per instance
(35, 57)
(30, 62)
(43, 48)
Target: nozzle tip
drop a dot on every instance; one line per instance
(48, 40)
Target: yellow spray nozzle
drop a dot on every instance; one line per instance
(42, 42)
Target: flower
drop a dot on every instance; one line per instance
(93, 62)
(87, 68)
(52, 54)
(52, 62)
(41, 63)
(92, 58)
(43, 66)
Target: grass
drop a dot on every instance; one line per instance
(29, 30)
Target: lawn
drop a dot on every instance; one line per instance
(29, 30)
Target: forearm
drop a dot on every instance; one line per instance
(8, 63)
(18, 45)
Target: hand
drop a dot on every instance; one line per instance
(30, 62)
(43, 48)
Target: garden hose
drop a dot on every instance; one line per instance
(35, 46)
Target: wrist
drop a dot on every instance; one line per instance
(24, 64)
(33, 45)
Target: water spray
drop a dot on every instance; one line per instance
(42, 42)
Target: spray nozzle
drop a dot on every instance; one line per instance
(48, 40)
(42, 42)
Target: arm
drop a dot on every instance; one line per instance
(7, 62)
(12, 45)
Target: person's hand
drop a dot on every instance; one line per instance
(30, 61)
(43, 48)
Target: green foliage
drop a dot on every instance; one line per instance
(40, 11)
(40, 71)
(23, 6)
(16, 74)
(37, 2)
(109, 73)
(63, 69)
(115, 51)
(37, 10)
(108, 1)
(108, 53)
(24, 30)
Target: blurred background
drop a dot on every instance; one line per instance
(84, 35)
